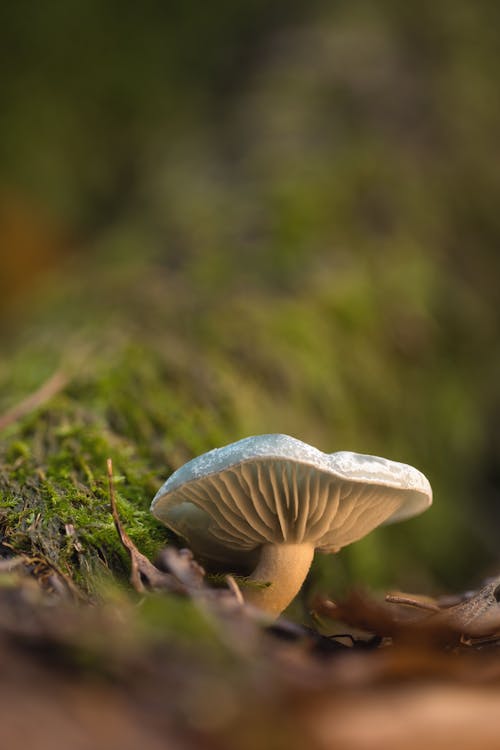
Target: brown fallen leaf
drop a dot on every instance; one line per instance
(473, 621)
(476, 616)
(363, 612)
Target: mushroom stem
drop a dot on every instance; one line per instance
(285, 567)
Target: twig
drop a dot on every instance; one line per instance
(56, 383)
(412, 601)
(135, 576)
(235, 590)
(141, 569)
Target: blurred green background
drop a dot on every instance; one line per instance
(236, 218)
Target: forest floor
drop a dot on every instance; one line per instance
(197, 668)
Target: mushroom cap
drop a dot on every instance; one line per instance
(270, 489)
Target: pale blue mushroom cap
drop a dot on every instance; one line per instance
(270, 489)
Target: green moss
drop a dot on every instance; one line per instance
(54, 496)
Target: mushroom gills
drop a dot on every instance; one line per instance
(264, 502)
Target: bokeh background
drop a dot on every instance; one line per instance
(232, 218)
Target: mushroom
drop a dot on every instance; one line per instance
(270, 500)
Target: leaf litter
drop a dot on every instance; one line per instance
(181, 664)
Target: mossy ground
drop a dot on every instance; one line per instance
(162, 368)
(53, 484)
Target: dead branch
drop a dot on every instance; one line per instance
(55, 384)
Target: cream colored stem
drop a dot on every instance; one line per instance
(285, 567)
